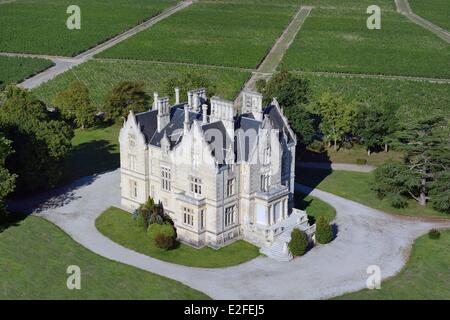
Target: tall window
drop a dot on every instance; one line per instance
(133, 189)
(188, 217)
(196, 185)
(229, 216)
(267, 154)
(265, 182)
(132, 161)
(230, 187)
(202, 219)
(165, 178)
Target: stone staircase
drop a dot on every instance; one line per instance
(278, 249)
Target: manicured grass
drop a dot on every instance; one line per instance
(119, 226)
(15, 69)
(226, 34)
(101, 75)
(34, 259)
(356, 186)
(436, 11)
(414, 98)
(426, 276)
(40, 26)
(93, 151)
(335, 38)
(343, 155)
(314, 207)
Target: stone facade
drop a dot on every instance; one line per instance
(220, 176)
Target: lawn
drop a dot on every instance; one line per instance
(335, 38)
(101, 75)
(356, 186)
(313, 206)
(426, 275)
(40, 26)
(343, 155)
(119, 226)
(34, 258)
(414, 98)
(225, 34)
(436, 11)
(93, 151)
(15, 69)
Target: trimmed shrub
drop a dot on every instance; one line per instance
(164, 242)
(324, 231)
(361, 161)
(140, 221)
(299, 243)
(434, 234)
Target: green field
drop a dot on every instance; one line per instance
(356, 186)
(415, 98)
(15, 69)
(101, 75)
(119, 226)
(426, 276)
(436, 11)
(335, 38)
(34, 258)
(39, 26)
(226, 34)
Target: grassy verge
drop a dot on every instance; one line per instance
(225, 34)
(16, 69)
(356, 186)
(436, 11)
(335, 38)
(119, 226)
(34, 258)
(426, 276)
(314, 207)
(93, 151)
(101, 76)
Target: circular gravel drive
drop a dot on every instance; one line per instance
(365, 237)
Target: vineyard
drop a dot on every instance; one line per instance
(436, 11)
(40, 26)
(13, 69)
(336, 39)
(225, 34)
(100, 76)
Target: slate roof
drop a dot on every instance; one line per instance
(244, 122)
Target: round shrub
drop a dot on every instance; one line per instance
(140, 221)
(298, 244)
(164, 242)
(434, 234)
(324, 231)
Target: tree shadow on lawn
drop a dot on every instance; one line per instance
(90, 158)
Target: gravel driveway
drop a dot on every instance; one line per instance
(365, 237)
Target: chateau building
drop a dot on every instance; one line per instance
(220, 176)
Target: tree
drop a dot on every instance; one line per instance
(75, 104)
(40, 142)
(6, 178)
(298, 244)
(337, 117)
(425, 143)
(440, 192)
(371, 127)
(292, 94)
(126, 96)
(186, 82)
(324, 231)
(289, 89)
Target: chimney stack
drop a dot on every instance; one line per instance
(252, 103)
(195, 101)
(163, 117)
(205, 110)
(186, 119)
(177, 95)
(155, 100)
(190, 94)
